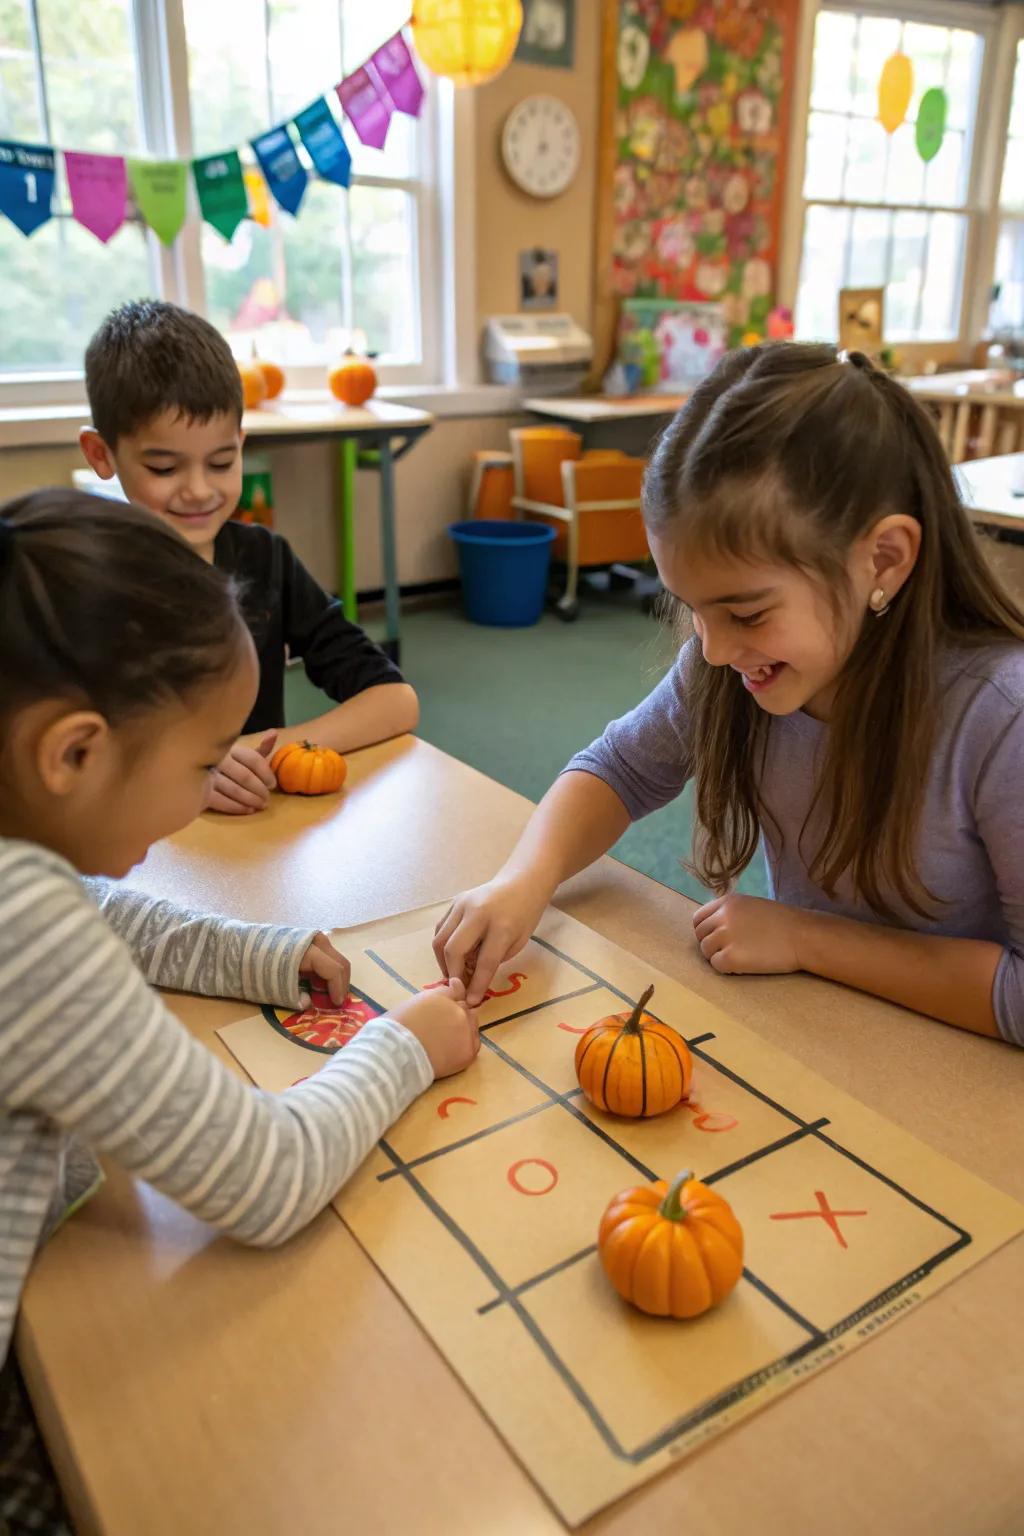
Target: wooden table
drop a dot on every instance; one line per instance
(628, 422)
(993, 491)
(188, 1385)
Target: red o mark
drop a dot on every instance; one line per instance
(711, 1119)
(536, 1162)
(456, 1098)
(574, 1029)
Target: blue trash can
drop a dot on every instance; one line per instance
(504, 569)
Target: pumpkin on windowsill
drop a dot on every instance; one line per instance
(633, 1064)
(352, 381)
(254, 384)
(273, 374)
(305, 769)
(673, 1250)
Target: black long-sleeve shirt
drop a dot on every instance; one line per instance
(284, 606)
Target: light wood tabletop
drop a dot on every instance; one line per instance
(186, 1384)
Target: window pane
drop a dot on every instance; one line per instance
(821, 272)
(1012, 191)
(965, 62)
(19, 108)
(904, 176)
(826, 151)
(364, 28)
(57, 287)
(869, 260)
(831, 83)
(867, 158)
(1008, 308)
(906, 274)
(305, 53)
(227, 73)
(878, 37)
(940, 299)
(384, 262)
(89, 63)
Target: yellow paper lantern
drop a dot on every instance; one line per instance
(466, 41)
(895, 88)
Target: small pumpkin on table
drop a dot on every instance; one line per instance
(673, 1250)
(633, 1064)
(304, 769)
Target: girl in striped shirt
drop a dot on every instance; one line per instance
(126, 671)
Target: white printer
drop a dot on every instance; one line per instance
(538, 354)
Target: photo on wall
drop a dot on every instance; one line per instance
(538, 279)
(548, 34)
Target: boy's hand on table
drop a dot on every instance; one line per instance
(244, 781)
(443, 1024)
(328, 965)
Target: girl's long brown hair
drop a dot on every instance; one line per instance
(786, 454)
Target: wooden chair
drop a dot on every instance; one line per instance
(592, 500)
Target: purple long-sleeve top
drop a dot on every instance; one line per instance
(970, 850)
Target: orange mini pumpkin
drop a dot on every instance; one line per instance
(254, 385)
(352, 381)
(632, 1064)
(303, 769)
(273, 375)
(673, 1250)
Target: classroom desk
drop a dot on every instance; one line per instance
(993, 491)
(188, 1385)
(629, 422)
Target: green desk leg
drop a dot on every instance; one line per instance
(347, 527)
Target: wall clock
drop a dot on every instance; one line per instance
(540, 145)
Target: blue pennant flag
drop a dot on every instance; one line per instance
(281, 166)
(322, 137)
(26, 184)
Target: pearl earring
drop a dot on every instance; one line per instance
(878, 602)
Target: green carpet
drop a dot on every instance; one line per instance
(517, 703)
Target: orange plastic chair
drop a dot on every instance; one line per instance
(591, 499)
(490, 489)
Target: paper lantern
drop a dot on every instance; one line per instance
(466, 41)
(931, 123)
(895, 88)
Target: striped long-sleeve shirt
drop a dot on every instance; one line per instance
(90, 1055)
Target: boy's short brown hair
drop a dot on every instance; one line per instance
(149, 357)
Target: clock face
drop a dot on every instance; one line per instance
(540, 145)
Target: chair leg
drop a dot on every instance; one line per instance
(568, 607)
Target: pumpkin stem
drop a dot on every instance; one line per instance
(671, 1207)
(632, 1024)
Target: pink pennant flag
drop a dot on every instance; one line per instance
(393, 64)
(367, 106)
(99, 191)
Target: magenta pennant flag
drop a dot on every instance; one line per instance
(367, 107)
(397, 72)
(99, 191)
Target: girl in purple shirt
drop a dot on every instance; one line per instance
(852, 697)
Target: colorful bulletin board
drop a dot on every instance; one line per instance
(695, 102)
(481, 1207)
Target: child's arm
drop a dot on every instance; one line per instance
(381, 711)
(87, 1045)
(372, 700)
(952, 980)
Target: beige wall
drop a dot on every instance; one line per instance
(507, 221)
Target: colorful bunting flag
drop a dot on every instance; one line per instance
(322, 137)
(931, 123)
(26, 184)
(279, 163)
(159, 190)
(220, 186)
(98, 185)
(367, 107)
(393, 64)
(259, 197)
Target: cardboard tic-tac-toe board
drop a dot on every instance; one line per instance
(481, 1208)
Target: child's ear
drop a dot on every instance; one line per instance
(97, 454)
(70, 749)
(895, 545)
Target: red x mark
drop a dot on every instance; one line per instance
(827, 1214)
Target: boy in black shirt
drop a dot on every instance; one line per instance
(166, 403)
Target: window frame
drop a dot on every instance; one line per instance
(161, 58)
(1000, 29)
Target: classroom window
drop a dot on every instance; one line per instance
(105, 77)
(1008, 305)
(875, 215)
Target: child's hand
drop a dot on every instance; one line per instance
(485, 927)
(329, 965)
(747, 935)
(244, 780)
(443, 1024)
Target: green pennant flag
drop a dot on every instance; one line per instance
(221, 188)
(159, 190)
